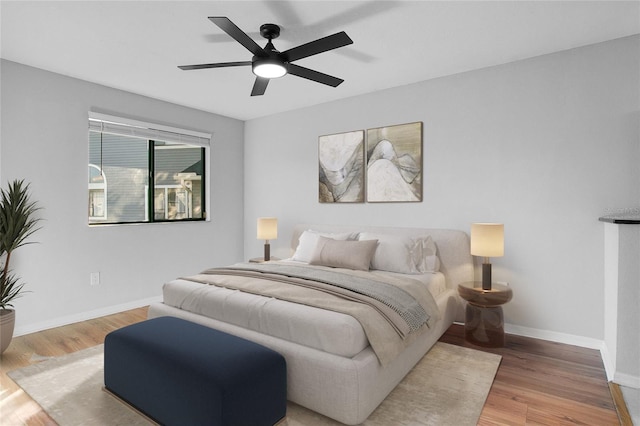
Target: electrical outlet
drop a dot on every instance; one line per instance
(94, 278)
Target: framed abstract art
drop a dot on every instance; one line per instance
(394, 163)
(341, 167)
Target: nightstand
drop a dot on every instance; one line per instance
(484, 320)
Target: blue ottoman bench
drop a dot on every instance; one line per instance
(181, 373)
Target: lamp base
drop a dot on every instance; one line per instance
(486, 276)
(267, 252)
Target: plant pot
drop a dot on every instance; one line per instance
(7, 322)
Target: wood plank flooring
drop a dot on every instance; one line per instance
(544, 383)
(16, 408)
(538, 382)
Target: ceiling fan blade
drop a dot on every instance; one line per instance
(314, 75)
(259, 86)
(240, 36)
(218, 65)
(318, 46)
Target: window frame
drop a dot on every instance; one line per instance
(142, 130)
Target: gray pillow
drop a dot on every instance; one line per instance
(344, 254)
(308, 241)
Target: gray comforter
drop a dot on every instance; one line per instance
(393, 313)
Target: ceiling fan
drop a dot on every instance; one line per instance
(268, 63)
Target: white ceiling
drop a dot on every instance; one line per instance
(137, 45)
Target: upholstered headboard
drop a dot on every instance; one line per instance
(454, 253)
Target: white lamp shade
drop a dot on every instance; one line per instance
(267, 228)
(487, 239)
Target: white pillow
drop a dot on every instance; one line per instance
(308, 241)
(402, 254)
(344, 254)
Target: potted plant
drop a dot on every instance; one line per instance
(17, 224)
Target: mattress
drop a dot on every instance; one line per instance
(328, 331)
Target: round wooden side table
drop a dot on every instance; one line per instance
(484, 320)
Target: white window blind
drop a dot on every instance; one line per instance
(138, 129)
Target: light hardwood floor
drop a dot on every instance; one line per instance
(544, 383)
(538, 382)
(16, 408)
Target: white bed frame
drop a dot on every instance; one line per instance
(349, 389)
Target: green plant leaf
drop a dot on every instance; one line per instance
(11, 290)
(18, 222)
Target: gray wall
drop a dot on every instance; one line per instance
(545, 145)
(44, 140)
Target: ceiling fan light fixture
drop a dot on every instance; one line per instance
(269, 68)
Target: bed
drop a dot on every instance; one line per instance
(337, 365)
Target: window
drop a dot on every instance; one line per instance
(140, 172)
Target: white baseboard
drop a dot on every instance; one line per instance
(608, 361)
(554, 336)
(622, 379)
(627, 380)
(84, 316)
(585, 342)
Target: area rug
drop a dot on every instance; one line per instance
(447, 387)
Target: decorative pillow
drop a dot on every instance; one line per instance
(344, 254)
(401, 254)
(308, 241)
(429, 261)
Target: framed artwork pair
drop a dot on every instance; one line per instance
(386, 166)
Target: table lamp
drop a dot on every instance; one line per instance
(267, 230)
(487, 240)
